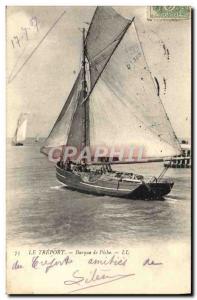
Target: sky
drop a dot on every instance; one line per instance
(43, 84)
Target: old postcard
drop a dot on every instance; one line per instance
(98, 150)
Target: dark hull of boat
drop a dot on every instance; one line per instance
(131, 190)
(17, 144)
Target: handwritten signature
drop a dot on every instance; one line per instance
(95, 278)
(150, 262)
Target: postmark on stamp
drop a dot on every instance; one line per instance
(168, 12)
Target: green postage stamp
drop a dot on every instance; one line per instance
(169, 12)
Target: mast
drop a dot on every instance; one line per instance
(84, 91)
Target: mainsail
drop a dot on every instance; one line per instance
(124, 108)
(20, 133)
(126, 100)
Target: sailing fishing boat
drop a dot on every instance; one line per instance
(21, 130)
(113, 102)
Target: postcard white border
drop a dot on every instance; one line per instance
(4, 3)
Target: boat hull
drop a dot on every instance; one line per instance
(131, 190)
(17, 144)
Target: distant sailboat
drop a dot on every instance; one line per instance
(114, 101)
(37, 138)
(21, 130)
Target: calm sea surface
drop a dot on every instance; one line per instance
(42, 212)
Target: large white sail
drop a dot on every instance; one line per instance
(124, 107)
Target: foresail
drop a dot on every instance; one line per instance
(126, 101)
(76, 137)
(105, 33)
(61, 129)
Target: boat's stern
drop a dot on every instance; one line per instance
(160, 189)
(153, 188)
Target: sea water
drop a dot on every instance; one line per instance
(40, 211)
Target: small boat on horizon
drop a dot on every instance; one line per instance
(37, 138)
(21, 130)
